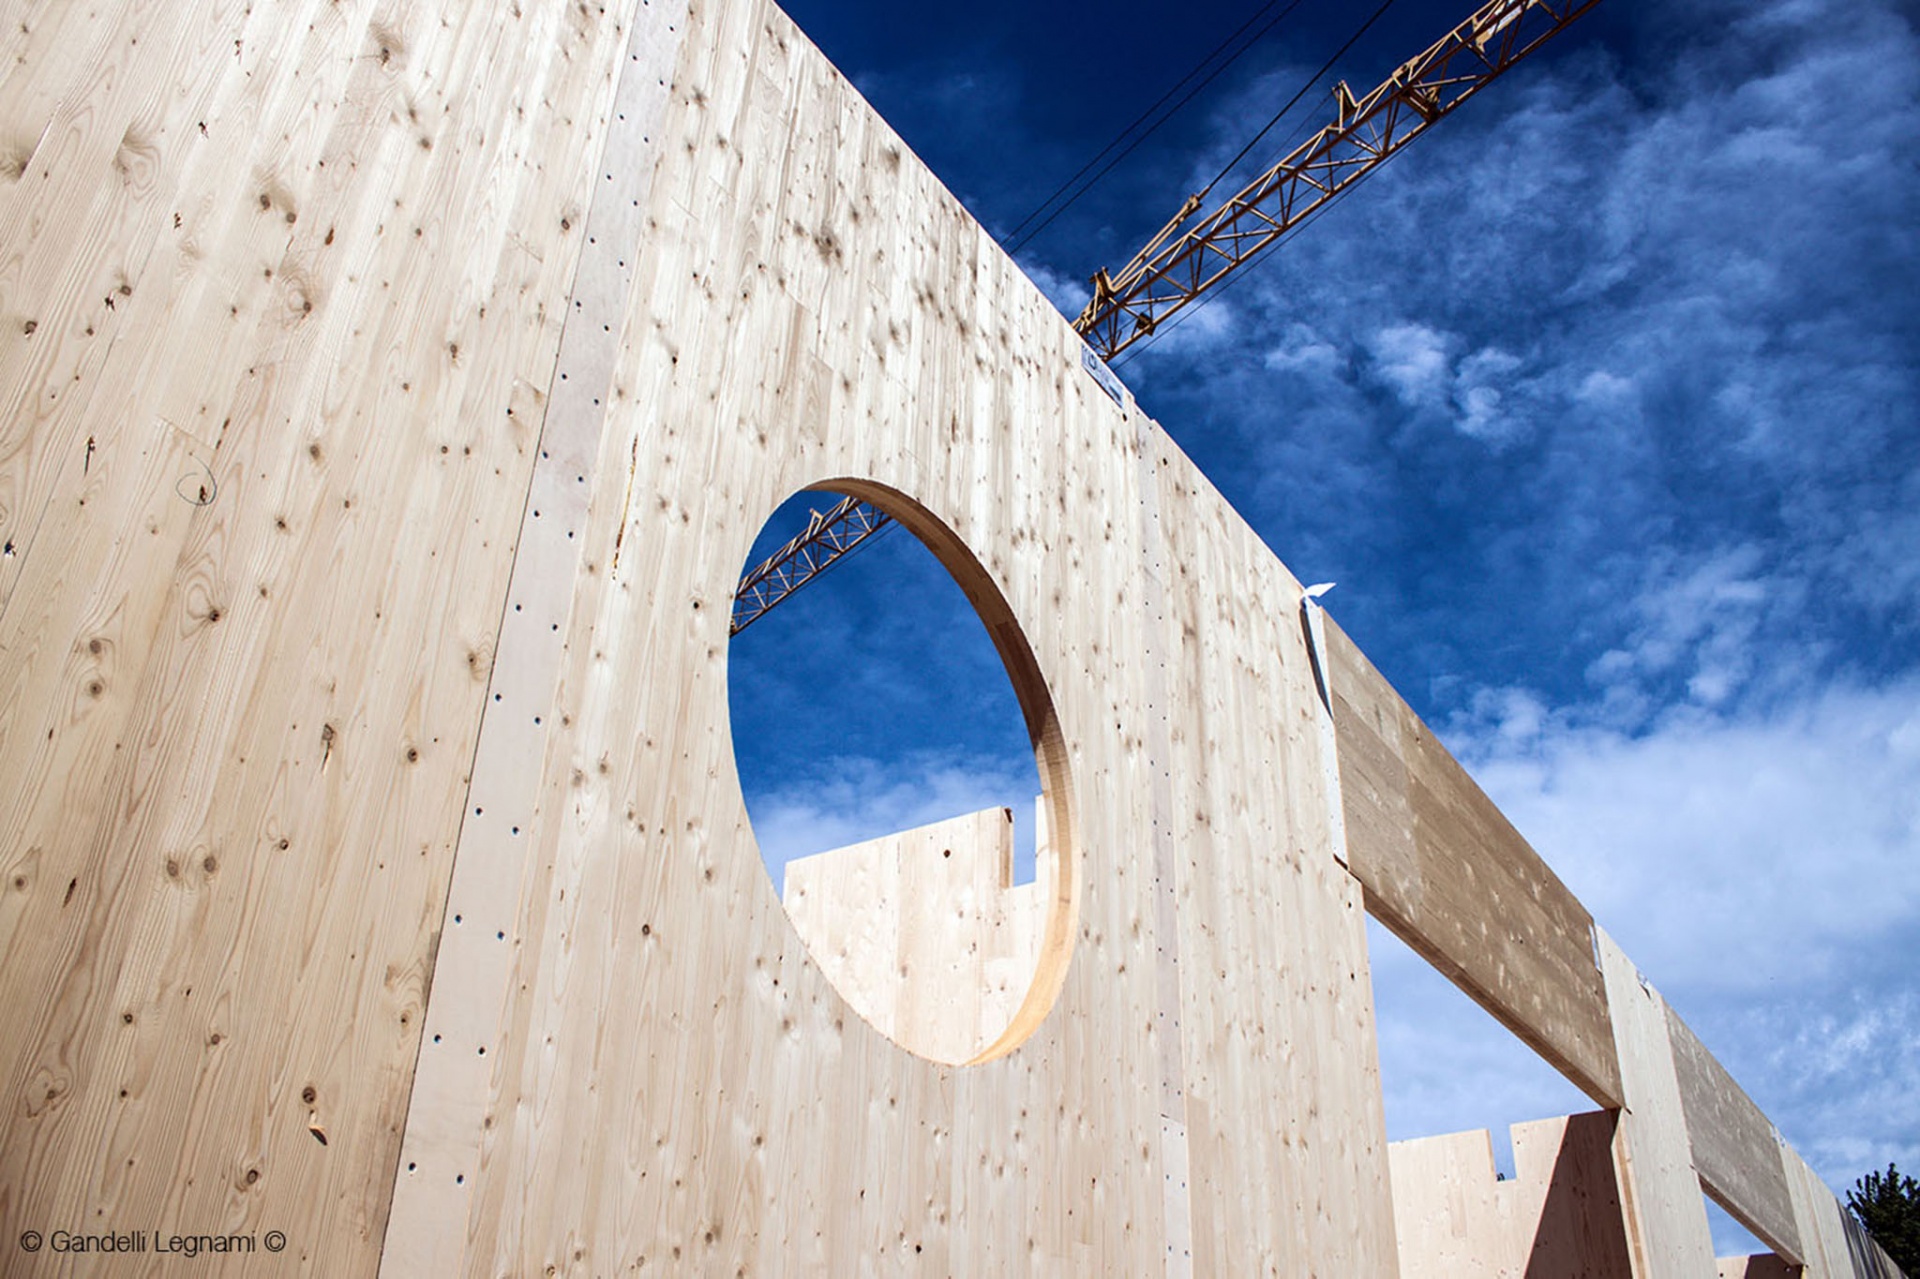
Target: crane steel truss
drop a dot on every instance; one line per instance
(1162, 278)
(827, 537)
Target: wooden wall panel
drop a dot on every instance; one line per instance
(1559, 1217)
(1274, 990)
(1735, 1149)
(1818, 1215)
(482, 922)
(1831, 1239)
(812, 309)
(1870, 1260)
(1764, 1265)
(1446, 871)
(270, 278)
(1566, 1178)
(924, 932)
(767, 1125)
(1451, 1217)
(1667, 1215)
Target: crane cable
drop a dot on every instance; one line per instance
(1134, 352)
(1023, 240)
(1131, 355)
(1295, 99)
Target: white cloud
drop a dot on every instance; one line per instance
(1415, 361)
(1841, 1063)
(1608, 392)
(1200, 330)
(847, 800)
(1067, 294)
(1418, 364)
(1478, 393)
(1305, 352)
(1707, 842)
(1699, 621)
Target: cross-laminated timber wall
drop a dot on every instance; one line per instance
(389, 394)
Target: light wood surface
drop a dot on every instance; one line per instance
(262, 512)
(1765, 1265)
(483, 922)
(389, 394)
(1870, 1260)
(1567, 1184)
(1451, 1216)
(1817, 1213)
(1667, 1214)
(923, 932)
(1558, 1217)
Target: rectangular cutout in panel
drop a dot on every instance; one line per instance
(1558, 1216)
(1538, 1197)
(1734, 1242)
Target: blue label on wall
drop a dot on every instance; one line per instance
(1109, 383)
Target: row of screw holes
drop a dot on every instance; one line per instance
(500, 935)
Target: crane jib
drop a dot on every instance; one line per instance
(1169, 273)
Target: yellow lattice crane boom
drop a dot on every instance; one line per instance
(1174, 269)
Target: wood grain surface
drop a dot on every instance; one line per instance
(390, 392)
(924, 932)
(1735, 1150)
(1559, 1216)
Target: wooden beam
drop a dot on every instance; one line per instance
(1449, 875)
(1735, 1149)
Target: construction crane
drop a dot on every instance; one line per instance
(1169, 273)
(1174, 269)
(829, 535)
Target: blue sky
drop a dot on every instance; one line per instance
(1602, 406)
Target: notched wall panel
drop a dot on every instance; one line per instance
(1448, 873)
(924, 931)
(1558, 1217)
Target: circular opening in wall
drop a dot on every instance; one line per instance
(903, 771)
